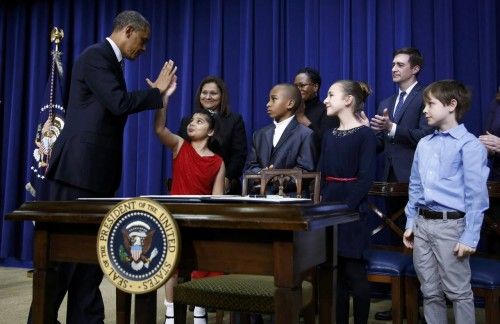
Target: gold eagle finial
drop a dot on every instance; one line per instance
(56, 36)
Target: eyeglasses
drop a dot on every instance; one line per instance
(302, 85)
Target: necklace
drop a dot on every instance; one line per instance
(344, 132)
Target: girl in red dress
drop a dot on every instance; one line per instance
(196, 171)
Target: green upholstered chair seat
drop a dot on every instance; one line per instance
(235, 292)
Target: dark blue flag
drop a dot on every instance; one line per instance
(50, 125)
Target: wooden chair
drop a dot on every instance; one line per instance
(249, 294)
(282, 176)
(386, 266)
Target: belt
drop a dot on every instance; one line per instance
(429, 214)
(336, 179)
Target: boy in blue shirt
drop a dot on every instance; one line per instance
(447, 199)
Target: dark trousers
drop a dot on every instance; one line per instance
(352, 279)
(80, 281)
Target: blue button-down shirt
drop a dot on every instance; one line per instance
(449, 173)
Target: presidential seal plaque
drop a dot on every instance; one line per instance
(138, 245)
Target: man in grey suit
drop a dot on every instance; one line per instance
(400, 124)
(285, 144)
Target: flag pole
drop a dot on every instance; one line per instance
(51, 120)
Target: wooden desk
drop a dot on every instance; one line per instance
(272, 239)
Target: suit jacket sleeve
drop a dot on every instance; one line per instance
(306, 160)
(238, 151)
(106, 83)
(411, 136)
(253, 162)
(381, 135)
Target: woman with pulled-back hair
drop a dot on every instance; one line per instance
(347, 166)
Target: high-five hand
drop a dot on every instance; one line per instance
(164, 77)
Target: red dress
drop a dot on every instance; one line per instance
(193, 174)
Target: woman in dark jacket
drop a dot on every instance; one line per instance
(232, 140)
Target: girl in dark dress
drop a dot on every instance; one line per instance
(347, 165)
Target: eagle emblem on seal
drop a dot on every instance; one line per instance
(137, 239)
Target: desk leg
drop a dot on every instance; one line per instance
(43, 280)
(287, 297)
(145, 308)
(123, 304)
(327, 279)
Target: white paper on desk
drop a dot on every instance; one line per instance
(268, 198)
(227, 198)
(104, 199)
(175, 196)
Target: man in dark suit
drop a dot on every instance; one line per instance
(285, 144)
(400, 124)
(86, 158)
(400, 121)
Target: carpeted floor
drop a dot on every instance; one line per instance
(15, 299)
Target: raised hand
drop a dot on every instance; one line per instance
(172, 86)
(170, 90)
(164, 78)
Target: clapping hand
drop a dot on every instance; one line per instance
(164, 78)
(363, 119)
(491, 142)
(381, 123)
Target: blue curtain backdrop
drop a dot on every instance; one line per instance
(251, 44)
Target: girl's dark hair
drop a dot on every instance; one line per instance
(213, 124)
(359, 90)
(224, 108)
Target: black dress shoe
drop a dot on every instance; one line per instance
(384, 315)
